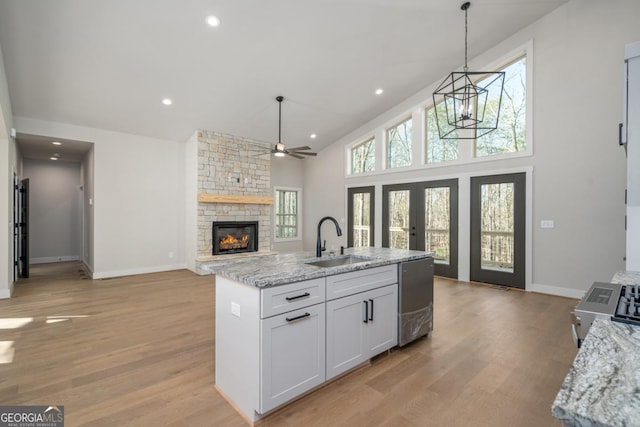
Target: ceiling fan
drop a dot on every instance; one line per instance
(280, 150)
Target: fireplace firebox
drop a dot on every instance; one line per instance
(232, 237)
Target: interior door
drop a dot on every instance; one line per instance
(24, 228)
(423, 216)
(16, 227)
(498, 229)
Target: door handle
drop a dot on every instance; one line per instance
(371, 316)
(366, 312)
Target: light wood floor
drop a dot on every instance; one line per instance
(139, 351)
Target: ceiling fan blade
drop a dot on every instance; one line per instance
(304, 153)
(295, 155)
(299, 148)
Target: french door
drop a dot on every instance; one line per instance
(423, 216)
(498, 229)
(361, 203)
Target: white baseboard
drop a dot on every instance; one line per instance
(134, 271)
(47, 260)
(6, 293)
(87, 269)
(557, 290)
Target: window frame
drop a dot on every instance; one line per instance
(298, 214)
(354, 146)
(371, 190)
(405, 118)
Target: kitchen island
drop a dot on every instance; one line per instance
(286, 324)
(602, 388)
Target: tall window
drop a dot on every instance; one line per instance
(287, 213)
(399, 145)
(438, 150)
(363, 156)
(509, 137)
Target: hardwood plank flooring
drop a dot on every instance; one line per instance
(139, 351)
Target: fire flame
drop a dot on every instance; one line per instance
(229, 240)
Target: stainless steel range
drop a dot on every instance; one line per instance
(613, 301)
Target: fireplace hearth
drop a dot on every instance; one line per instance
(232, 237)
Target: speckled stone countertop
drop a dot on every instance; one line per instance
(274, 270)
(602, 388)
(627, 278)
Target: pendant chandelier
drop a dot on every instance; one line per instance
(467, 104)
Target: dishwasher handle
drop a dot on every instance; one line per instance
(576, 329)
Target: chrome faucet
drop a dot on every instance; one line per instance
(319, 247)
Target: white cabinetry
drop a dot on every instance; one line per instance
(359, 327)
(293, 355)
(362, 316)
(274, 344)
(631, 129)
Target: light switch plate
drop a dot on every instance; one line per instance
(547, 223)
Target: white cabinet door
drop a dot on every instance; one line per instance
(382, 327)
(293, 355)
(345, 334)
(359, 327)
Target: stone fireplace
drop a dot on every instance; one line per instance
(232, 237)
(234, 185)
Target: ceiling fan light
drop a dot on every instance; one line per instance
(279, 154)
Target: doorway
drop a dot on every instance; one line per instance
(498, 224)
(423, 216)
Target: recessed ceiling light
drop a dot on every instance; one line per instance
(213, 21)
(379, 91)
(167, 101)
(57, 143)
(313, 136)
(53, 158)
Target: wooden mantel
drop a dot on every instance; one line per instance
(231, 199)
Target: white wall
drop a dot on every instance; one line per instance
(8, 166)
(87, 174)
(288, 172)
(578, 168)
(191, 201)
(54, 210)
(138, 198)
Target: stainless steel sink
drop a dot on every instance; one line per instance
(341, 260)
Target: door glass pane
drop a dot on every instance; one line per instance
(436, 223)
(497, 217)
(399, 219)
(361, 219)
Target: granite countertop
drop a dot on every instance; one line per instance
(273, 270)
(602, 388)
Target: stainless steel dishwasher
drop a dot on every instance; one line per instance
(415, 300)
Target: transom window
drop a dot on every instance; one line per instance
(438, 150)
(510, 135)
(363, 156)
(287, 213)
(399, 143)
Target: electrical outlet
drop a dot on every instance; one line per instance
(235, 309)
(171, 254)
(547, 223)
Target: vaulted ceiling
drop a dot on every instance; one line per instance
(108, 64)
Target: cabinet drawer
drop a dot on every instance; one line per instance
(280, 299)
(341, 285)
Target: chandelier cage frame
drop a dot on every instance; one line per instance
(465, 101)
